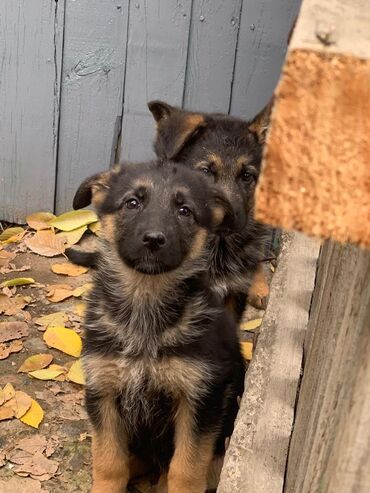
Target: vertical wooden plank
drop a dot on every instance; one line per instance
(212, 47)
(263, 40)
(156, 61)
(31, 35)
(92, 85)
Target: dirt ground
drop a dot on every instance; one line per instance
(54, 458)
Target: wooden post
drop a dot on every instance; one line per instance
(316, 175)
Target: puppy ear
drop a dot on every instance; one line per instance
(175, 127)
(260, 123)
(93, 190)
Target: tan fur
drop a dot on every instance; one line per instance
(190, 124)
(216, 160)
(143, 182)
(242, 161)
(259, 289)
(198, 245)
(218, 214)
(108, 227)
(110, 457)
(192, 457)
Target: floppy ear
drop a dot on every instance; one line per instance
(92, 190)
(175, 127)
(260, 123)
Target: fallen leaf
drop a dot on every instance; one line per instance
(82, 290)
(272, 267)
(69, 269)
(9, 232)
(13, 268)
(247, 350)
(13, 330)
(11, 306)
(20, 403)
(9, 392)
(59, 294)
(18, 281)
(7, 349)
(6, 413)
(34, 415)
(251, 324)
(40, 220)
(66, 340)
(55, 319)
(74, 236)
(15, 238)
(35, 362)
(46, 374)
(2, 397)
(38, 465)
(6, 257)
(46, 243)
(74, 219)
(80, 309)
(76, 374)
(95, 228)
(31, 445)
(20, 485)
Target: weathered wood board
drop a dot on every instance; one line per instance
(31, 36)
(92, 90)
(256, 458)
(330, 446)
(156, 61)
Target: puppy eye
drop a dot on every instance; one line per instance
(184, 211)
(205, 170)
(132, 204)
(247, 176)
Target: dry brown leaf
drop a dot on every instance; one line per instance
(6, 257)
(11, 306)
(13, 330)
(66, 340)
(69, 269)
(20, 403)
(20, 485)
(36, 362)
(59, 292)
(7, 349)
(38, 465)
(15, 238)
(6, 413)
(13, 268)
(39, 220)
(31, 445)
(8, 392)
(2, 397)
(46, 243)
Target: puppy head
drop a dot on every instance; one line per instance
(156, 215)
(226, 149)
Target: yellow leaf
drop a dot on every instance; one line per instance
(247, 350)
(66, 340)
(80, 309)
(9, 232)
(2, 398)
(74, 219)
(95, 228)
(36, 362)
(74, 236)
(46, 374)
(69, 269)
(9, 391)
(46, 243)
(82, 290)
(18, 281)
(34, 415)
(55, 319)
(15, 238)
(40, 220)
(272, 268)
(76, 374)
(251, 324)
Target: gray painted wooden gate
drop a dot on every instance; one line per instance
(75, 76)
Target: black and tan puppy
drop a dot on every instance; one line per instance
(229, 152)
(161, 355)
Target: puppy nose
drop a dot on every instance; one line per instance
(154, 239)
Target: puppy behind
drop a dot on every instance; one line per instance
(161, 356)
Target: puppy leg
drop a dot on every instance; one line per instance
(109, 451)
(193, 454)
(258, 292)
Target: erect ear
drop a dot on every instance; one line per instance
(175, 127)
(260, 123)
(92, 190)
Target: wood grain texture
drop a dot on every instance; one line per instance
(333, 412)
(211, 55)
(316, 175)
(31, 36)
(256, 458)
(263, 41)
(92, 90)
(156, 60)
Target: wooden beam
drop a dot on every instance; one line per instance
(316, 175)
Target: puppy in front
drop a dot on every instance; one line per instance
(161, 356)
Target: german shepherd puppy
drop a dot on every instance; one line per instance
(229, 152)
(161, 355)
